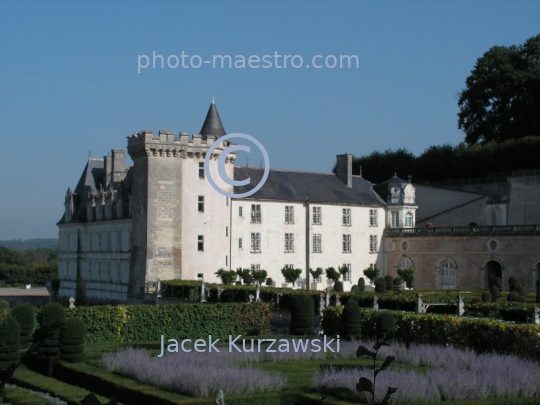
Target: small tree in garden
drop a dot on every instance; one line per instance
(228, 277)
(338, 286)
(386, 325)
(407, 275)
(243, 273)
(290, 274)
(495, 293)
(72, 339)
(316, 274)
(10, 340)
(302, 314)
(332, 274)
(269, 282)
(343, 270)
(398, 282)
(350, 320)
(361, 284)
(498, 283)
(371, 273)
(26, 315)
(380, 285)
(486, 297)
(259, 276)
(355, 289)
(51, 314)
(389, 282)
(409, 281)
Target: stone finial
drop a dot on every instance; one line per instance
(258, 293)
(419, 303)
(71, 302)
(375, 303)
(251, 297)
(460, 306)
(338, 302)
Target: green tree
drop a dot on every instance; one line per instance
(290, 274)
(332, 274)
(243, 274)
(318, 272)
(228, 277)
(501, 100)
(371, 273)
(259, 276)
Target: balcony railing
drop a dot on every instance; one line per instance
(465, 231)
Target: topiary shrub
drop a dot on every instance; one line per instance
(72, 339)
(26, 316)
(10, 338)
(51, 314)
(409, 281)
(512, 280)
(302, 311)
(521, 290)
(338, 286)
(498, 283)
(269, 282)
(398, 282)
(248, 279)
(350, 320)
(380, 285)
(476, 301)
(495, 293)
(514, 296)
(491, 281)
(386, 323)
(389, 280)
(486, 297)
(362, 284)
(538, 286)
(4, 306)
(331, 322)
(355, 289)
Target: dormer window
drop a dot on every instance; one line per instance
(408, 220)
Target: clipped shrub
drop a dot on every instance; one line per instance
(476, 301)
(409, 281)
(512, 280)
(538, 286)
(514, 296)
(238, 283)
(9, 341)
(269, 282)
(498, 283)
(355, 289)
(4, 306)
(26, 316)
(495, 293)
(362, 284)
(331, 322)
(380, 285)
(72, 339)
(228, 277)
(398, 282)
(302, 310)
(386, 323)
(486, 297)
(248, 279)
(338, 286)
(521, 290)
(389, 280)
(51, 314)
(491, 281)
(350, 320)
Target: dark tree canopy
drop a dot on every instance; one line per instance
(501, 100)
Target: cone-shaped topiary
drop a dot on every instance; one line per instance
(495, 293)
(486, 297)
(350, 320)
(338, 286)
(380, 285)
(72, 339)
(389, 280)
(302, 314)
(521, 290)
(398, 282)
(409, 281)
(476, 301)
(51, 314)
(10, 338)
(386, 323)
(362, 284)
(26, 316)
(355, 289)
(491, 281)
(498, 283)
(269, 282)
(515, 297)
(512, 280)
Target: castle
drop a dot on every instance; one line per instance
(124, 228)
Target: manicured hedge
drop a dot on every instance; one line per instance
(481, 335)
(125, 323)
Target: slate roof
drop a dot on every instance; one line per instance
(297, 186)
(212, 123)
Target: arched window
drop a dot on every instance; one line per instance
(404, 264)
(448, 274)
(408, 220)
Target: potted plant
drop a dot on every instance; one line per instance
(372, 273)
(290, 275)
(332, 275)
(316, 283)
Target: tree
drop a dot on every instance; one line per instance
(371, 273)
(343, 270)
(290, 274)
(259, 276)
(228, 277)
(502, 95)
(316, 273)
(332, 274)
(243, 274)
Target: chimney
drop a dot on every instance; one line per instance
(344, 169)
(108, 167)
(118, 166)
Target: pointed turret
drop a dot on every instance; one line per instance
(212, 124)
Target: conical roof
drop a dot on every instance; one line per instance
(212, 123)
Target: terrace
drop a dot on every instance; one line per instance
(505, 230)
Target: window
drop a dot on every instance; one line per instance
(408, 220)
(226, 260)
(255, 267)
(109, 242)
(255, 243)
(109, 278)
(289, 266)
(89, 271)
(201, 170)
(372, 243)
(347, 216)
(199, 276)
(346, 243)
(289, 239)
(395, 219)
(90, 244)
(316, 215)
(119, 241)
(68, 242)
(347, 275)
(239, 243)
(200, 205)
(405, 264)
(227, 231)
(99, 241)
(200, 243)
(289, 214)
(373, 218)
(67, 270)
(317, 243)
(239, 211)
(317, 279)
(255, 213)
(448, 274)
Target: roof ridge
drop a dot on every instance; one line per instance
(284, 170)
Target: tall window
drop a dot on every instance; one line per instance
(200, 205)
(395, 219)
(201, 170)
(68, 242)
(255, 243)
(255, 267)
(227, 231)
(347, 275)
(200, 243)
(255, 213)
(239, 211)
(239, 243)
(404, 264)
(99, 241)
(372, 243)
(109, 242)
(289, 239)
(346, 216)
(316, 215)
(119, 241)
(373, 218)
(67, 270)
(408, 220)
(448, 274)
(90, 242)
(346, 243)
(289, 214)
(317, 243)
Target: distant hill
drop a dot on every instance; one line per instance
(30, 244)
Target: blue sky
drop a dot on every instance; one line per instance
(69, 82)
